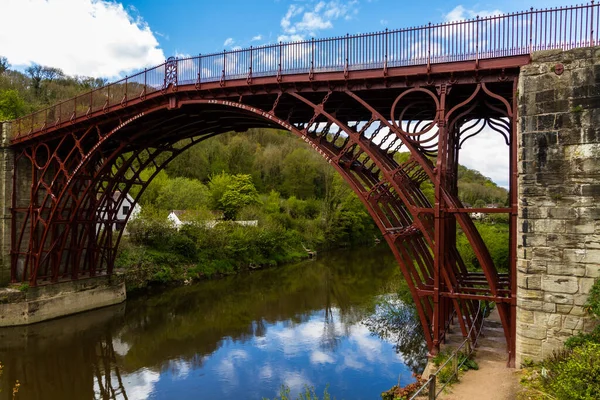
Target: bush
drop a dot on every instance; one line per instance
(577, 377)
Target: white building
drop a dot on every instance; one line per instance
(121, 208)
(177, 219)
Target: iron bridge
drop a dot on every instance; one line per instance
(355, 99)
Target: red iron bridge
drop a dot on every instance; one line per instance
(355, 99)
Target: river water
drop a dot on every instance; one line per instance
(333, 321)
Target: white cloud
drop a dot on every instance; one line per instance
(487, 153)
(318, 357)
(256, 38)
(383, 22)
(228, 42)
(82, 37)
(299, 22)
(460, 13)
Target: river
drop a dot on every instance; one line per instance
(315, 323)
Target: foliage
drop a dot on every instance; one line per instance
(230, 193)
(11, 104)
(403, 393)
(446, 374)
(567, 375)
(571, 373)
(592, 306)
(495, 237)
(308, 393)
(24, 287)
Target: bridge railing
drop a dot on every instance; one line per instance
(517, 33)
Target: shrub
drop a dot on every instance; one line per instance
(577, 377)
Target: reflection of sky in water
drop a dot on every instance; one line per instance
(355, 364)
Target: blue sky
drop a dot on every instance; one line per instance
(192, 27)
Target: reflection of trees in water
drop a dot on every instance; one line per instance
(397, 322)
(108, 383)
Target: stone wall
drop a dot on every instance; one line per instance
(559, 197)
(45, 302)
(6, 171)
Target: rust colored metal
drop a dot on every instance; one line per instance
(359, 101)
(559, 69)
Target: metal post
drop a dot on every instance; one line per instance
(431, 389)
(531, 31)
(592, 23)
(429, 48)
(455, 364)
(477, 41)
(385, 62)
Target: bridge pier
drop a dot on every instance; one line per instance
(7, 157)
(559, 197)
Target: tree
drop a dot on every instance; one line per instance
(302, 174)
(182, 194)
(232, 192)
(4, 65)
(11, 105)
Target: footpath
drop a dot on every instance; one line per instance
(493, 380)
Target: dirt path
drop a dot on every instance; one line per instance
(493, 380)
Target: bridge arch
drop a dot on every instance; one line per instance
(75, 174)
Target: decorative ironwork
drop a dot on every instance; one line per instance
(170, 73)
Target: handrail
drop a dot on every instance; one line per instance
(511, 34)
(431, 383)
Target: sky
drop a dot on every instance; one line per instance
(113, 38)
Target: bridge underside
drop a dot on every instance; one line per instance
(74, 171)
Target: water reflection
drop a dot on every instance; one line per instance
(314, 323)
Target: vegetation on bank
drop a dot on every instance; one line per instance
(572, 373)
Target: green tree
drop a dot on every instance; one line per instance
(182, 194)
(302, 174)
(230, 193)
(11, 105)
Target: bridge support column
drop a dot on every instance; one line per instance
(559, 198)
(6, 172)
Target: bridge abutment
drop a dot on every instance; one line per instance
(559, 197)
(7, 158)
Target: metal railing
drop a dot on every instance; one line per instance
(431, 385)
(511, 34)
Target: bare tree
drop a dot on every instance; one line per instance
(4, 65)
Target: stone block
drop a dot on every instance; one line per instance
(560, 284)
(551, 345)
(546, 254)
(573, 322)
(585, 285)
(549, 308)
(534, 282)
(549, 226)
(531, 331)
(533, 305)
(579, 311)
(527, 316)
(526, 294)
(584, 256)
(563, 309)
(557, 298)
(592, 271)
(566, 269)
